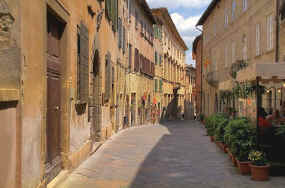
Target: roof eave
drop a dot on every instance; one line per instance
(207, 12)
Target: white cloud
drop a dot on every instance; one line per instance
(178, 3)
(187, 30)
(182, 24)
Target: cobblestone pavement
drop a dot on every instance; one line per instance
(174, 155)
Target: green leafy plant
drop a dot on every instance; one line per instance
(215, 125)
(258, 158)
(201, 117)
(240, 136)
(221, 123)
(280, 131)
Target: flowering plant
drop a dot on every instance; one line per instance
(257, 158)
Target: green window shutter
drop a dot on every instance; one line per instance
(154, 28)
(155, 57)
(160, 85)
(108, 8)
(155, 81)
(115, 14)
(119, 33)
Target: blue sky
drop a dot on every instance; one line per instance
(185, 14)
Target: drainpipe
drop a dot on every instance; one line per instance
(277, 31)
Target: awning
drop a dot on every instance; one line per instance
(266, 71)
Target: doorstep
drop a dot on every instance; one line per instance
(65, 173)
(95, 147)
(58, 179)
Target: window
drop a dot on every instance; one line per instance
(156, 57)
(233, 9)
(130, 56)
(244, 50)
(108, 78)
(233, 52)
(124, 39)
(269, 32)
(137, 61)
(111, 8)
(136, 21)
(226, 56)
(282, 11)
(120, 33)
(160, 59)
(226, 18)
(82, 64)
(257, 35)
(244, 5)
(160, 85)
(156, 85)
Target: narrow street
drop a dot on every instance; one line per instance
(174, 155)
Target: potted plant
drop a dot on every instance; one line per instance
(242, 158)
(259, 166)
(220, 124)
(210, 126)
(245, 140)
(239, 136)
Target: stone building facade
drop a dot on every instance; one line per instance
(236, 32)
(197, 57)
(173, 65)
(190, 93)
(72, 74)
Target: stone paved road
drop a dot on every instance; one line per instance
(174, 155)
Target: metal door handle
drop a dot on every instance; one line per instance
(56, 108)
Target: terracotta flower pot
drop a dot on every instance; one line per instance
(259, 173)
(225, 149)
(233, 159)
(212, 138)
(244, 167)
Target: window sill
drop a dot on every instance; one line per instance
(9, 95)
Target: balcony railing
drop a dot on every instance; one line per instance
(215, 77)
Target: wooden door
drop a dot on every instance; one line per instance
(53, 90)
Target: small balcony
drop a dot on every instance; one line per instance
(213, 78)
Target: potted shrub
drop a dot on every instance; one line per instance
(220, 124)
(259, 166)
(242, 158)
(240, 137)
(210, 126)
(246, 141)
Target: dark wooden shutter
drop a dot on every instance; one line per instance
(124, 40)
(119, 33)
(155, 87)
(83, 66)
(130, 56)
(108, 78)
(160, 86)
(136, 60)
(141, 63)
(108, 7)
(155, 57)
(114, 14)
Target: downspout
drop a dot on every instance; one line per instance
(277, 31)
